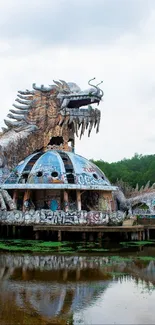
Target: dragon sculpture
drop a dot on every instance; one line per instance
(43, 115)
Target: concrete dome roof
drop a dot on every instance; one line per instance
(57, 169)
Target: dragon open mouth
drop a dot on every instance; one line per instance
(83, 101)
(77, 111)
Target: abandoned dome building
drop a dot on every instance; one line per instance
(43, 181)
(61, 187)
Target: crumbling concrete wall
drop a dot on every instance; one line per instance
(48, 217)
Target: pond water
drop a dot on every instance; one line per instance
(112, 286)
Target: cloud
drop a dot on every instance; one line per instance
(77, 40)
(67, 22)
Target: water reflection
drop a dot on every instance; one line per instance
(59, 289)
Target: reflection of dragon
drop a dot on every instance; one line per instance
(44, 116)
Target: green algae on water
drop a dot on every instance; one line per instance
(137, 243)
(117, 274)
(146, 258)
(121, 259)
(30, 245)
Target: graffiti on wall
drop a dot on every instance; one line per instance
(60, 217)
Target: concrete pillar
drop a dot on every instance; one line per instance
(36, 235)
(91, 237)
(84, 236)
(14, 231)
(78, 197)
(59, 235)
(140, 236)
(7, 231)
(99, 236)
(18, 232)
(148, 233)
(15, 196)
(66, 201)
(26, 197)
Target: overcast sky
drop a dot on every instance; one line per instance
(75, 40)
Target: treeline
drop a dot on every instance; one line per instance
(139, 169)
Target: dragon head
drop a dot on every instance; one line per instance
(62, 104)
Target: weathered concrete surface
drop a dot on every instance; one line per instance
(48, 217)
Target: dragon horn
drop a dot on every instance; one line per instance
(58, 83)
(65, 84)
(99, 83)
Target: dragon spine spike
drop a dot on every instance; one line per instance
(147, 185)
(11, 124)
(41, 88)
(19, 112)
(136, 188)
(25, 127)
(16, 117)
(25, 102)
(28, 97)
(21, 106)
(26, 92)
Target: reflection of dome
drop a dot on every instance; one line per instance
(57, 169)
(49, 300)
